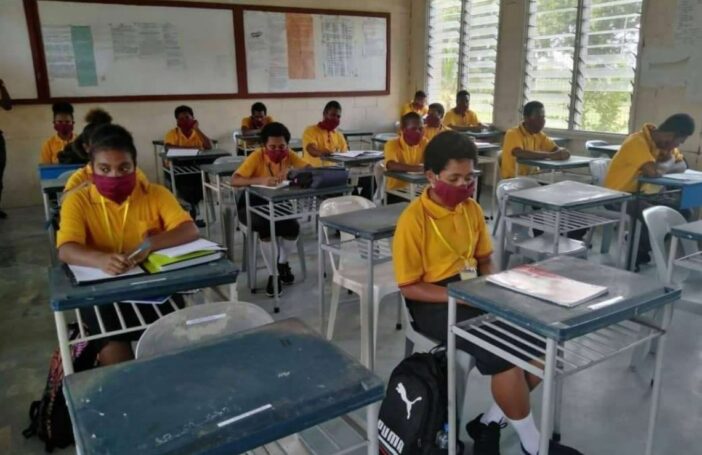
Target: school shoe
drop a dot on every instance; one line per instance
(555, 448)
(285, 274)
(270, 292)
(486, 438)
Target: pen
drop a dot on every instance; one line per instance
(145, 245)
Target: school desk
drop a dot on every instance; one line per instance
(159, 148)
(226, 396)
(558, 166)
(575, 338)
(361, 136)
(188, 165)
(608, 149)
(358, 166)
(379, 140)
(67, 297)
(484, 135)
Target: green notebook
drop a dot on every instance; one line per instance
(156, 263)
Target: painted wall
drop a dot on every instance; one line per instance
(26, 127)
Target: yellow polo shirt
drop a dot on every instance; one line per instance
(453, 118)
(257, 164)
(85, 175)
(247, 121)
(399, 151)
(151, 209)
(430, 132)
(51, 148)
(409, 107)
(419, 254)
(177, 138)
(637, 150)
(327, 141)
(520, 137)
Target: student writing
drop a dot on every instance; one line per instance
(406, 153)
(324, 138)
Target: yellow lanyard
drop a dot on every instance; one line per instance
(467, 256)
(108, 226)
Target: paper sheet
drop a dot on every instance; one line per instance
(84, 274)
(191, 247)
(282, 184)
(174, 152)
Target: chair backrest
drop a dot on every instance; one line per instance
(337, 206)
(379, 176)
(595, 143)
(504, 187)
(659, 221)
(235, 135)
(598, 170)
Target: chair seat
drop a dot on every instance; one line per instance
(543, 244)
(355, 277)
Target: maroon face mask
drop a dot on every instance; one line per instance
(64, 129)
(186, 125)
(276, 155)
(115, 189)
(411, 136)
(329, 124)
(453, 195)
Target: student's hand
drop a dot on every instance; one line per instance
(561, 154)
(664, 155)
(114, 263)
(270, 181)
(139, 258)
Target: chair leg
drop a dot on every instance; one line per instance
(398, 326)
(607, 232)
(244, 256)
(255, 262)
(409, 347)
(376, 313)
(334, 306)
(301, 254)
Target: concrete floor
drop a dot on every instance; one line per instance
(605, 408)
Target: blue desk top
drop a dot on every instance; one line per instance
(65, 295)
(675, 183)
(573, 162)
(640, 294)
(691, 231)
(568, 195)
(370, 224)
(290, 192)
(227, 396)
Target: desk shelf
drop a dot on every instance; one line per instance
(289, 210)
(573, 355)
(186, 170)
(691, 262)
(570, 220)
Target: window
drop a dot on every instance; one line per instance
(581, 60)
(462, 52)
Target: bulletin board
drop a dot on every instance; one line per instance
(16, 64)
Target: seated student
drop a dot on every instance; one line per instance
(188, 135)
(418, 104)
(323, 138)
(103, 223)
(258, 119)
(406, 153)
(441, 237)
(433, 123)
(641, 154)
(461, 118)
(269, 165)
(529, 141)
(63, 124)
(77, 151)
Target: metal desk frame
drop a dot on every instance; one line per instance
(554, 166)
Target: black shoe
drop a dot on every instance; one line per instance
(285, 274)
(270, 292)
(486, 438)
(200, 223)
(555, 448)
(3, 215)
(643, 258)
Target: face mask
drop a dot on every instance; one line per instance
(115, 189)
(411, 137)
(64, 129)
(432, 121)
(329, 124)
(186, 125)
(277, 155)
(453, 195)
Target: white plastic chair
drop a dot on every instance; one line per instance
(518, 240)
(379, 197)
(596, 143)
(598, 171)
(350, 270)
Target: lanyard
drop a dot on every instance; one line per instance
(108, 226)
(465, 257)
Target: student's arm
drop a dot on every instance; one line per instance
(649, 170)
(557, 154)
(425, 292)
(392, 152)
(77, 254)
(241, 181)
(183, 233)
(206, 142)
(309, 141)
(5, 100)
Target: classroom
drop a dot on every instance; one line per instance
(352, 227)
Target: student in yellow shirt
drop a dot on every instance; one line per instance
(77, 151)
(418, 104)
(646, 153)
(323, 138)
(269, 165)
(258, 119)
(441, 237)
(406, 153)
(63, 125)
(433, 122)
(461, 118)
(528, 141)
(102, 224)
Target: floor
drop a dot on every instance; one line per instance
(605, 408)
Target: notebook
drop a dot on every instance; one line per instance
(542, 284)
(282, 184)
(157, 263)
(178, 152)
(83, 275)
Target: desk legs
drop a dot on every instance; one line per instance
(274, 259)
(205, 204)
(655, 397)
(372, 412)
(220, 211)
(47, 209)
(451, 371)
(622, 251)
(64, 347)
(250, 253)
(367, 351)
(320, 275)
(547, 401)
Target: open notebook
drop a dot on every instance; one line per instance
(178, 152)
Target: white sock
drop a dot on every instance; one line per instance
(286, 248)
(528, 433)
(267, 253)
(494, 414)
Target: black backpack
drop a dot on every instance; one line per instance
(415, 406)
(49, 419)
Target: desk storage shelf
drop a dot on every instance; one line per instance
(570, 220)
(691, 262)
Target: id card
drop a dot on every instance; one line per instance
(468, 273)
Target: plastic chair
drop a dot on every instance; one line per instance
(518, 240)
(379, 197)
(598, 171)
(596, 143)
(198, 324)
(417, 342)
(64, 176)
(350, 270)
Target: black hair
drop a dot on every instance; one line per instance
(331, 105)
(98, 116)
(681, 124)
(110, 136)
(184, 108)
(420, 94)
(62, 107)
(258, 107)
(438, 107)
(447, 146)
(275, 129)
(531, 107)
(462, 93)
(409, 117)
